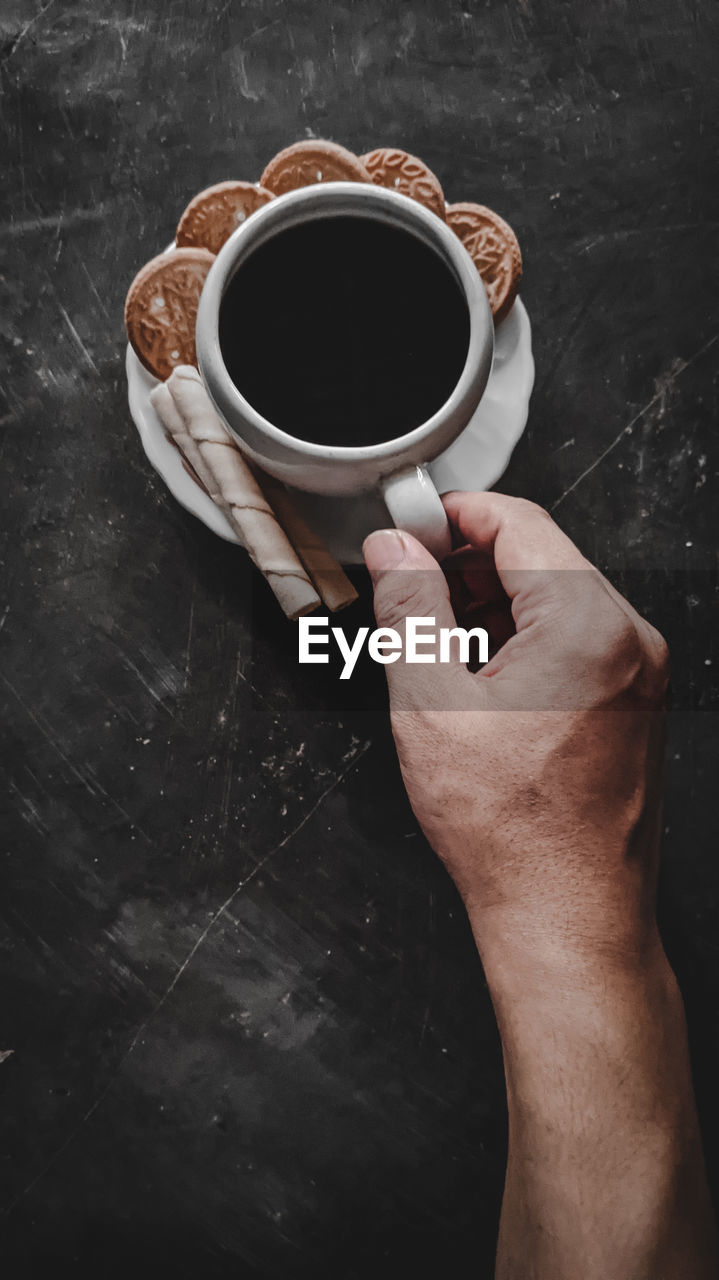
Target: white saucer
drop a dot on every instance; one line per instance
(475, 461)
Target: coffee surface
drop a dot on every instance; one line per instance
(345, 331)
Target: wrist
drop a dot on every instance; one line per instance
(577, 1028)
(599, 1014)
(539, 956)
(587, 994)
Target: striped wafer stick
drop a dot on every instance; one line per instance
(329, 577)
(240, 495)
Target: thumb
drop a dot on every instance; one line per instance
(409, 583)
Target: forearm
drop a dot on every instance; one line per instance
(605, 1174)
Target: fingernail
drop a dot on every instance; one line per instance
(384, 549)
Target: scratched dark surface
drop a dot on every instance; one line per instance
(249, 1033)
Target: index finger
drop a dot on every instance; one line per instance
(518, 534)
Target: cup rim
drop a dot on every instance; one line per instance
(349, 199)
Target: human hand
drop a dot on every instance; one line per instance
(537, 780)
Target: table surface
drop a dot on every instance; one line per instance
(245, 1029)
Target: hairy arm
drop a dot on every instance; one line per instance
(605, 1175)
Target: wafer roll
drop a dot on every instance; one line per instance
(240, 495)
(174, 424)
(329, 577)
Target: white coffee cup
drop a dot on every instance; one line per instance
(398, 466)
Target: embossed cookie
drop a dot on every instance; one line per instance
(389, 167)
(216, 212)
(313, 160)
(494, 249)
(161, 309)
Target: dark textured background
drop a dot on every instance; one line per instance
(250, 1035)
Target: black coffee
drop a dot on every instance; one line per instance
(344, 331)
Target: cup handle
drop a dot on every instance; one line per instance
(415, 505)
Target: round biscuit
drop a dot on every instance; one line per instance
(494, 249)
(304, 163)
(161, 309)
(400, 171)
(213, 214)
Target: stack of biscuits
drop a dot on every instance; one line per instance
(160, 315)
